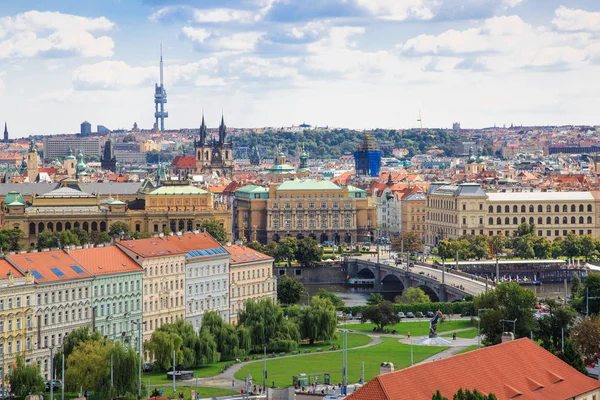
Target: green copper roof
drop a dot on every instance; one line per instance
(170, 190)
(308, 184)
(282, 169)
(355, 189)
(252, 189)
(117, 203)
(14, 199)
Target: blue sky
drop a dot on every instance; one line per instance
(350, 63)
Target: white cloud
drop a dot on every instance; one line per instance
(220, 15)
(52, 34)
(238, 42)
(117, 75)
(399, 10)
(310, 29)
(569, 19)
(505, 43)
(512, 3)
(196, 34)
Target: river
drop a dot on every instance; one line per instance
(358, 296)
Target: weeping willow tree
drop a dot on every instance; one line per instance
(231, 342)
(267, 325)
(161, 345)
(125, 367)
(319, 321)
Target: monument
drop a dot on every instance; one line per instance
(433, 339)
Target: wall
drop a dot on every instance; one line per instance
(323, 275)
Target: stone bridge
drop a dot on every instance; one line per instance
(392, 276)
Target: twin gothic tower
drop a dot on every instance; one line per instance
(214, 157)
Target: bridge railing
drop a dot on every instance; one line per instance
(459, 273)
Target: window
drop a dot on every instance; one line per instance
(531, 209)
(522, 220)
(506, 221)
(515, 209)
(540, 220)
(506, 209)
(491, 221)
(464, 207)
(540, 208)
(589, 208)
(573, 208)
(589, 220)
(491, 209)
(548, 220)
(565, 208)
(581, 220)
(556, 220)
(564, 220)
(573, 220)
(498, 209)
(499, 221)
(581, 208)
(556, 209)
(515, 221)
(548, 208)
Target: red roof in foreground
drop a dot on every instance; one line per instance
(184, 162)
(105, 260)
(514, 370)
(243, 254)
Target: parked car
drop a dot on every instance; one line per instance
(419, 314)
(410, 315)
(429, 314)
(401, 315)
(147, 367)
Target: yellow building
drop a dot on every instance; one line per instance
(16, 316)
(413, 213)
(175, 206)
(164, 274)
(251, 278)
(465, 209)
(316, 208)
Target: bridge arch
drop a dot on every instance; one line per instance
(366, 273)
(433, 295)
(392, 283)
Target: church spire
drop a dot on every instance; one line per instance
(5, 132)
(222, 130)
(202, 131)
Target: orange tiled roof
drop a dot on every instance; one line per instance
(192, 241)
(49, 266)
(243, 254)
(152, 247)
(105, 260)
(184, 162)
(6, 267)
(517, 369)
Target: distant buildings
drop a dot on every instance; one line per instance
(59, 146)
(214, 157)
(86, 128)
(108, 160)
(367, 158)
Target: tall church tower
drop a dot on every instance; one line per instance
(32, 163)
(214, 156)
(5, 133)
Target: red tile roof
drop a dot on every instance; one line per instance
(105, 260)
(49, 266)
(152, 247)
(519, 369)
(192, 241)
(243, 254)
(184, 162)
(5, 268)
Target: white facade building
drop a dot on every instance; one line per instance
(206, 276)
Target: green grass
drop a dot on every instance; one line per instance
(470, 348)
(420, 328)
(282, 370)
(205, 391)
(354, 340)
(468, 334)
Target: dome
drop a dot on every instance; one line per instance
(70, 156)
(81, 167)
(304, 156)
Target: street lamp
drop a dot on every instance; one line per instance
(497, 269)
(62, 386)
(139, 324)
(51, 373)
(479, 326)
(514, 322)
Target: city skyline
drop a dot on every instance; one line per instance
(350, 63)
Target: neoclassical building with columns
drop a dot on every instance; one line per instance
(174, 206)
(453, 211)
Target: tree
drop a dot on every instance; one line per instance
(119, 228)
(256, 246)
(13, 238)
(26, 379)
(571, 245)
(557, 248)
(229, 343)
(89, 366)
(308, 252)
(289, 290)
(523, 246)
(572, 356)
(479, 247)
(81, 235)
(266, 323)
(381, 314)
(412, 243)
(335, 300)
(271, 250)
(591, 287)
(215, 229)
(586, 336)
(551, 327)
(588, 246)
(125, 367)
(575, 284)
(162, 344)
(525, 229)
(542, 248)
(318, 322)
(46, 239)
(374, 299)
(508, 301)
(465, 395)
(99, 237)
(68, 238)
(286, 250)
(497, 244)
(414, 295)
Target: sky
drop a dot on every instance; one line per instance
(343, 63)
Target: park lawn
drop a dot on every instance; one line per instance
(467, 349)
(205, 391)
(354, 340)
(419, 328)
(468, 334)
(281, 371)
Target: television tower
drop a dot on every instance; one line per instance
(160, 99)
